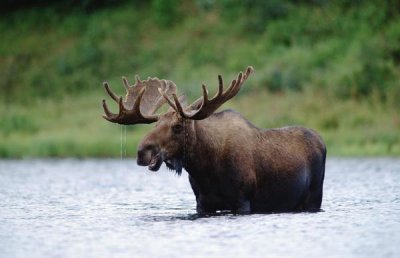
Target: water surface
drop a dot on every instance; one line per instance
(113, 208)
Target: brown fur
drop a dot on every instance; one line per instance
(235, 166)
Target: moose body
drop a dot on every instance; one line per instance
(233, 165)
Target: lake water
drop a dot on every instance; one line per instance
(113, 208)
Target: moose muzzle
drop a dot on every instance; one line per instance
(150, 156)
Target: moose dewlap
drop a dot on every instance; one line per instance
(232, 165)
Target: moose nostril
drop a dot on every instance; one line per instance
(144, 154)
(140, 152)
(141, 157)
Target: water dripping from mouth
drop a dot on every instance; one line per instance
(123, 147)
(123, 142)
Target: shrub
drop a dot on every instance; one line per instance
(165, 12)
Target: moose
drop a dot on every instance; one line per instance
(233, 166)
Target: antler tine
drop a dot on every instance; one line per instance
(178, 105)
(168, 99)
(122, 108)
(220, 85)
(210, 106)
(250, 69)
(106, 110)
(235, 86)
(231, 89)
(205, 93)
(126, 83)
(110, 92)
(137, 78)
(239, 82)
(136, 105)
(161, 100)
(109, 116)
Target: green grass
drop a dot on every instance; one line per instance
(332, 68)
(70, 127)
(349, 128)
(74, 127)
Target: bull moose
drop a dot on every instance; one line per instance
(232, 165)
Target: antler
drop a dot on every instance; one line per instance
(208, 107)
(141, 101)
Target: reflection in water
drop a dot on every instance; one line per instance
(103, 208)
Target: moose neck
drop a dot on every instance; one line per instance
(202, 146)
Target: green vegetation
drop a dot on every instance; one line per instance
(328, 65)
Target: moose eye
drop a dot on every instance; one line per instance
(177, 128)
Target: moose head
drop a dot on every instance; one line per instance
(167, 142)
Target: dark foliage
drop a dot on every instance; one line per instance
(86, 5)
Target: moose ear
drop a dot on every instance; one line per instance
(182, 99)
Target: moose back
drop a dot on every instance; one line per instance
(232, 165)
